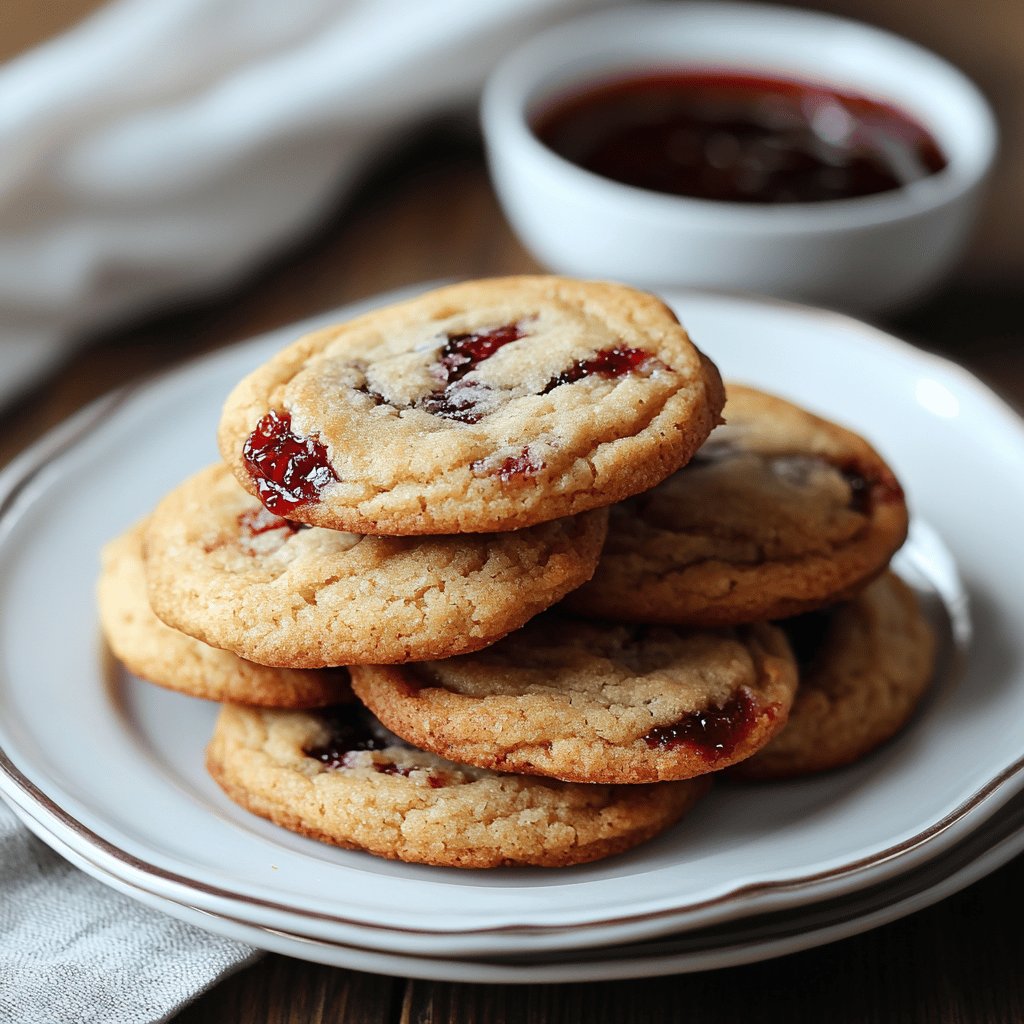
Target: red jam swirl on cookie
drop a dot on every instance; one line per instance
(463, 353)
(716, 732)
(351, 729)
(609, 362)
(469, 400)
(460, 400)
(289, 470)
(465, 401)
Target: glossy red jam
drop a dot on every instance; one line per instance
(462, 353)
(739, 138)
(465, 352)
(609, 362)
(716, 732)
(289, 470)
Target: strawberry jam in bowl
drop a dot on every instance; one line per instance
(739, 146)
(739, 138)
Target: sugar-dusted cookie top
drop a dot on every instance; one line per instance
(591, 702)
(780, 512)
(864, 665)
(483, 406)
(223, 569)
(338, 776)
(174, 660)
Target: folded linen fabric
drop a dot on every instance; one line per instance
(73, 951)
(162, 149)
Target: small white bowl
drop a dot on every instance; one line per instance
(869, 254)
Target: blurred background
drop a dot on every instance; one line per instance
(182, 175)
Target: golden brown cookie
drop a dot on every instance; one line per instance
(590, 702)
(341, 778)
(780, 512)
(864, 666)
(224, 570)
(171, 659)
(485, 406)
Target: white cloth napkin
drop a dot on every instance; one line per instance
(73, 951)
(163, 148)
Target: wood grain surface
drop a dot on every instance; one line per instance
(430, 213)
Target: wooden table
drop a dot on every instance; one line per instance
(429, 214)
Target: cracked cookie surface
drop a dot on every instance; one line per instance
(590, 702)
(864, 666)
(780, 512)
(341, 778)
(224, 570)
(161, 655)
(483, 406)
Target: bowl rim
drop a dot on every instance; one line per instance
(510, 92)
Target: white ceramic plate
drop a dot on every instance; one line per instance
(113, 770)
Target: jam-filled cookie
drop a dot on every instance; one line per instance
(864, 665)
(590, 702)
(223, 569)
(338, 776)
(176, 661)
(484, 406)
(780, 512)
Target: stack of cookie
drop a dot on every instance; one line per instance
(402, 501)
(782, 516)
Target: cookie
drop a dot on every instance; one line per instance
(485, 406)
(779, 513)
(864, 666)
(341, 778)
(162, 655)
(223, 569)
(589, 702)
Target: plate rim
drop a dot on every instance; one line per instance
(1010, 843)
